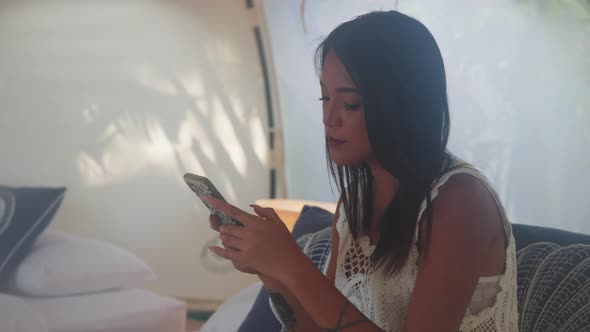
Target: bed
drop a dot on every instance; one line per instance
(129, 310)
(54, 281)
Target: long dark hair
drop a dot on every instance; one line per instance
(397, 66)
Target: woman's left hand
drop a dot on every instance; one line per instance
(263, 244)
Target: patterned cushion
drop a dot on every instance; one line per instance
(553, 287)
(24, 214)
(317, 246)
(525, 235)
(312, 237)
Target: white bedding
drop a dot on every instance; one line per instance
(230, 315)
(126, 310)
(17, 316)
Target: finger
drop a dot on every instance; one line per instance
(231, 241)
(237, 231)
(213, 222)
(268, 213)
(245, 269)
(225, 253)
(230, 210)
(264, 216)
(228, 247)
(261, 215)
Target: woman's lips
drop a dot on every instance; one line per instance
(335, 142)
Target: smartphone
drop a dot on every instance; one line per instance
(200, 185)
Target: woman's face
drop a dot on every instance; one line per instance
(344, 117)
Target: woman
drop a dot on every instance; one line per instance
(420, 240)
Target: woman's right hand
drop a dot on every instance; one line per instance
(213, 222)
(269, 283)
(215, 226)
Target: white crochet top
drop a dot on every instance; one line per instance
(384, 300)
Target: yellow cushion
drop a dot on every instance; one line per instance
(289, 209)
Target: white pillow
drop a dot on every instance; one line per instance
(60, 264)
(18, 316)
(232, 312)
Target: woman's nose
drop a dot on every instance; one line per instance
(331, 118)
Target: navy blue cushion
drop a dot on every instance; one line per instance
(24, 214)
(525, 235)
(311, 220)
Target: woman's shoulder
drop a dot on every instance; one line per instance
(462, 178)
(462, 190)
(464, 203)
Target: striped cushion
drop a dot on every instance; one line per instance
(317, 246)
(24, 214)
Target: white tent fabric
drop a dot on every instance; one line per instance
(518, 90)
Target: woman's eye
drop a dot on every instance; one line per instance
(352, 107)
(347, 106)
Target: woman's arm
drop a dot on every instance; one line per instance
(292, 314)
(465, 225)
(321, 300)
(264, 244)
(326, 306)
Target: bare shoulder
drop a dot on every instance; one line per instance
(465, 211)
(460, 250)
(465, 195)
